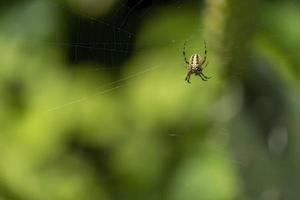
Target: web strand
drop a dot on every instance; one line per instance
(96, 92)
(116, 43)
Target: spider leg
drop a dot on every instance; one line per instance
(202, 72)
(205, 76)
(205, 52)
(183, 52)
(188, 77)
(205, 64)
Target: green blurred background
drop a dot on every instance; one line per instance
(94, 106)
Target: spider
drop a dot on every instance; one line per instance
(196, 64)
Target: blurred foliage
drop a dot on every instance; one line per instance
(72, 129)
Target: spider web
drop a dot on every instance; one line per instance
(108, 50)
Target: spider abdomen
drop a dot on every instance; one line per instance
(196, 60)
